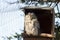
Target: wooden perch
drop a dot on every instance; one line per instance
(47, 35)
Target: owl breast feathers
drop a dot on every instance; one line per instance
(31, 24)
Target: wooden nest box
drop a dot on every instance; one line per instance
(45, 16)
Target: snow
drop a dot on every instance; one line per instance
(11, 23)
(11, 19)
(7, 7)
(4, 7)
(10, 1)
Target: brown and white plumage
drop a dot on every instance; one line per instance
(31, 24)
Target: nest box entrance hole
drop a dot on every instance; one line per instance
(45, 18)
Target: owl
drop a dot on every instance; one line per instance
(31, 24)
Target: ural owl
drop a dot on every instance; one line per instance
(31, 24)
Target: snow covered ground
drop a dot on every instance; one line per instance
(12, 18)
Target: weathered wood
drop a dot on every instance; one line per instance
(26, 37)
(37, 39)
